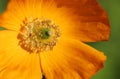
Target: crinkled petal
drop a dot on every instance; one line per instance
(16, 63)
(71, 59)
(89, 22)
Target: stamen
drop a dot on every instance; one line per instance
(38, 35)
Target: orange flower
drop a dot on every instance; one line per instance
(47, 37)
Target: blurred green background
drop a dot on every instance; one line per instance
(111, 48)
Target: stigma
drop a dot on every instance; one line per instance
(38, 35)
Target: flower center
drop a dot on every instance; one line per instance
(38, 35)
(45, 33)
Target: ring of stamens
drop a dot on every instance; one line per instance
(38, 35)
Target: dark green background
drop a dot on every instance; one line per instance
(112, 47)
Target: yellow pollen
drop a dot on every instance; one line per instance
(38, 35)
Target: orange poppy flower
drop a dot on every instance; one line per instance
(47, 37)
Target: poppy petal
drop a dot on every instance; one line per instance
(90, 21)
(71, 60)
(17, 12)
(16, 63)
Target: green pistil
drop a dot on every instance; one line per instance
(45, 33)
